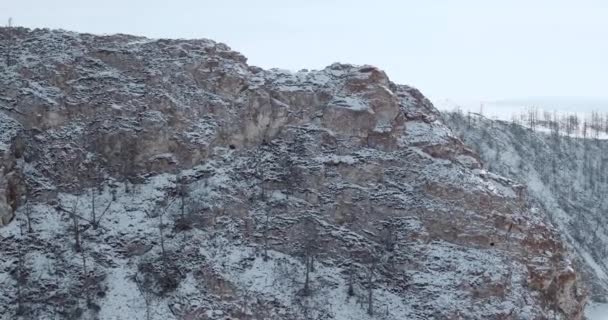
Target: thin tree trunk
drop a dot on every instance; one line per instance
(183, 205)
(307, 279)
(9, 46)
(93, 217)
(162, 238)
(28, 215)
(85, 277)
(351, 289)
(74, 217)
(20, 275)
(370, 300)
(84, 265)
(266, 239)
(76, 232)
(144, 295)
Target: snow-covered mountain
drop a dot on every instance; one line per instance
(567, 176)
(168, 179)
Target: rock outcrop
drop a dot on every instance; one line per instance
(11, 184)
(293, 188)
(568, 176)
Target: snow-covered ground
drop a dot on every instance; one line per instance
(597, 312)
(566, 175)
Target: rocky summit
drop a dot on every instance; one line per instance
(169, 179)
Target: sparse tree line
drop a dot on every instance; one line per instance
(592, 165)
(160, 274)
(87, 278)
(575, 170)
(592, 125)
(8, 54)
(572, 125)
(275, 168)
(81, 221)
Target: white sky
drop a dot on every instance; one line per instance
(459, 49)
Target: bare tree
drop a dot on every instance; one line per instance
(585, 129)
(145, 293)
(268, 213)
(113, 192)
(547, 118)
(351, 287)
(596, 122)
(96, 180)
(388, 236)
(265, 233)
(310, 243)
(85, 274)
(87, 281)
(161, 210)
(260, 173)
(128, 165)
(554, 124)
(95, 222)
(182, 192)
(9, 42)
(28, 209)
(20, 275)
(93, 217)
(161, 227)
(76, 225)
(351, 275)
(370, 285)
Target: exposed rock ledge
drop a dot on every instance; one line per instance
(363, 162)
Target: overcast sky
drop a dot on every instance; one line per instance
(459, 49)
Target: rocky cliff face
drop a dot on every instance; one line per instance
(11, 185)
(567, 176)
(205, 188)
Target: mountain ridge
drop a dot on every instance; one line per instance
(169, 179)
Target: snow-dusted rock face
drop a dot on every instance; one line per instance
(205, 188)
(567, 176)
(10, 179)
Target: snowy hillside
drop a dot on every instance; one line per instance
(567, 176)
(597, 312)
(169, 179)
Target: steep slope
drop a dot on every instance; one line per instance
(9, 174)
(567, 176)
(205, 188)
